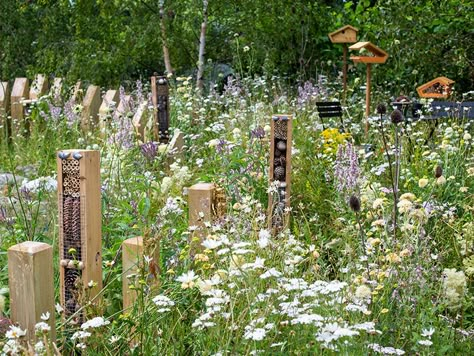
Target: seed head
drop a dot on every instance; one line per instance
(396, 116)
(381, 109)
(438, 171)
(354, 203)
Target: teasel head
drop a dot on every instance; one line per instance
(354, 203)
(381, 109)
(438, 171)
(396, 116)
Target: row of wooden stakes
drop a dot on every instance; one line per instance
(15, 101)
(30, 265)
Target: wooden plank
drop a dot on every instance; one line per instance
(90, 110)
(80, 225)
(124, 106)
(39, 87)
(30, 279)
(76, 94)
(280, 172)
(200, 201)
(20, 92)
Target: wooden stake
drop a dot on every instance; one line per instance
(4, 110)
(39, 87)
(30, 279)
(90, 111)
(200, 199)
(80, 220)
(20, 92)
(140, 121)
(57, 87)
(132, 252)
(175, 147)
(109, 102)
(367, 101)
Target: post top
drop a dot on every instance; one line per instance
(137, 240)
(30, 247)
(202, 186)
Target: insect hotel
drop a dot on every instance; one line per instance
(161, 105)
(79, 227)
(437, 88)
(280, 172)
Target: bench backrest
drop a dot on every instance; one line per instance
(329, 109)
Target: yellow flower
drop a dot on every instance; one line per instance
(393, 258)
(384, 311)
(404, 206)
(408, 196)
(441, 180)
(201, 257)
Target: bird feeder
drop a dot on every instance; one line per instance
(344, 35)
(437, 88)
(368, 54)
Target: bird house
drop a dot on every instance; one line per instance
(368, 53)
(346, 34)
(437, 88)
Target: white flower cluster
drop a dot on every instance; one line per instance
(48, 184)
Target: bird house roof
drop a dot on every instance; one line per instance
(374, 55)
(437, 88)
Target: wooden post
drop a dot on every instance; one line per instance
(200, 201)
(57, 87)
(344, 68)
(140, 121)
(76, 94)
(176, 146)
(20, 92)
(161, 105)
(124, 106)
(91, 105)
(367, 101)
(80, 220)
(39, 87)
(280, 172)
(132, 252)
(30, 279)
(109, 103)
(4, 110)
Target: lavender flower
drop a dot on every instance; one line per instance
(259, 133)
(307, 93)
(139, 91)
(149, 150)
(70, 112)
(346, 170)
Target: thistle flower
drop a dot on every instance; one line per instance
(396, 116)
(381, 109)
(354, 203)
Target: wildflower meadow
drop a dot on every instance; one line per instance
(372, 253)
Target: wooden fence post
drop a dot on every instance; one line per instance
(109, 102)
(57, 87)
(200, 201)
(39, 87)
(80, 220)
(30, 279)
(140, 121)
(90, 110)
(20, 92)
(280, 172)
(132, 251)
(176, 147)
(4, 110)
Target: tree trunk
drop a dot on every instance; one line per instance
(202, 45)
(166, 53)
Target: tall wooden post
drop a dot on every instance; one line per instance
(79, 227)
(344, 68)
(280, 172)
(30, 279)
(367, 100)
(132, 252)
(161, 105)
(109, 102)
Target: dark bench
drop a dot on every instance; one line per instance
(329, 109)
